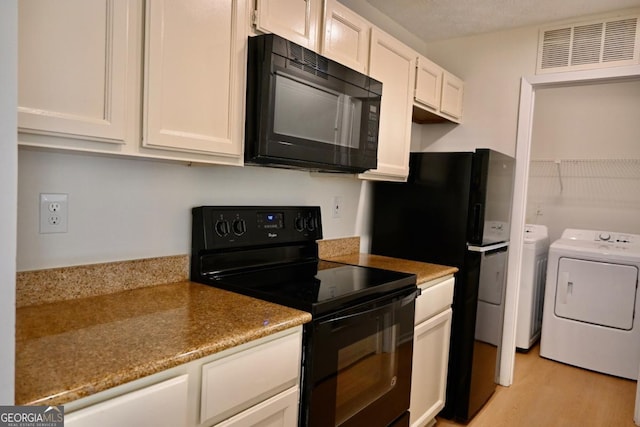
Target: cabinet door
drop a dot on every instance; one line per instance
(452, 91)
(429, 374)
(160, 405)
(281, 410)
(295, 20)
(73, 67)
(237, 382)
(195, 76)
(428, 84)
(346, 36)
(394, 64)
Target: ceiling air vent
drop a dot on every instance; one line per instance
(588, 45)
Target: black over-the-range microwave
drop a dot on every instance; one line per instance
(307, 111)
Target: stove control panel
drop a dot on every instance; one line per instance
(222, 227)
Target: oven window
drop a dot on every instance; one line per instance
(367, 370)
(311, 112)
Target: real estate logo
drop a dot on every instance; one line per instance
(31, 416)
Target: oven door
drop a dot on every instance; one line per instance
(357, 368)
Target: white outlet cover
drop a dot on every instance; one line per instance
(54, 210)
(337, 206)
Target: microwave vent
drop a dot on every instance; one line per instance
(308, 61)
(589, 45)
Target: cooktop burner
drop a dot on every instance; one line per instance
(316, 287)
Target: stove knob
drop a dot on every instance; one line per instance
(299, 224)
(604, 236)
(239, 227)
(311, 223)
(222, 228)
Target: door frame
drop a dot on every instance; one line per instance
(528, 87)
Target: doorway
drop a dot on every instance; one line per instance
(528, 88)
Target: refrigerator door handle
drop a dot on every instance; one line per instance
(497, 247)
(477, 221)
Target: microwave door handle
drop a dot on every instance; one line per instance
(340, 111)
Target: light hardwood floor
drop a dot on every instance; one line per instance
(547, 394)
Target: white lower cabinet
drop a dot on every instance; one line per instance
(160, 405)
(279, 411)
(254, 384)
(237, 382)
(431, 351)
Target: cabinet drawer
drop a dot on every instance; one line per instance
(434, 299)
(161, 405)
(234, 383)
(280, 410)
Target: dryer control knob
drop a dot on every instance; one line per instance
(604, 236)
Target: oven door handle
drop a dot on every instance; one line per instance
(404, 301)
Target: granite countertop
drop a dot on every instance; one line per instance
(423, 270)
(70, 349)
(82, 330)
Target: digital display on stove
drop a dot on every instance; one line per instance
(270, 220)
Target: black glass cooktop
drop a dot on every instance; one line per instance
(316, 287)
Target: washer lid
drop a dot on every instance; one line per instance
(535, 232)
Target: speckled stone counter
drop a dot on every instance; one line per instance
(81, 330)
(425, 271)
(71, 349)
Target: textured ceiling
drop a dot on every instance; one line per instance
(432, 20)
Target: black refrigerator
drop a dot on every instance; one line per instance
(455, 209)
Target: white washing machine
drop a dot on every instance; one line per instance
(533, 275)
(590, 302)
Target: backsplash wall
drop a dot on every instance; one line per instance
(122, 209)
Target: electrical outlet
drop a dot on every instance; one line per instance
(337, 206)
(53, 213)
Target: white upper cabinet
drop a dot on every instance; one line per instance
(394, 64)
(452, 92)
(428, 84)
(295, 20)
(345, 36)
(74, 68)
(84, 84)
(195, 76)
(438, 94)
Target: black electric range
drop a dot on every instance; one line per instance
(361, 316)
(271, 253)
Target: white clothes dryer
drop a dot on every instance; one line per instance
(590, 302)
